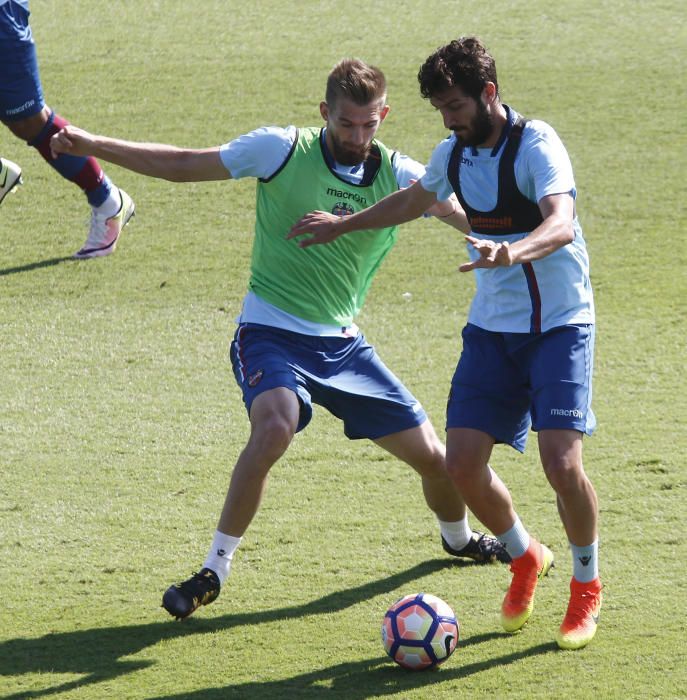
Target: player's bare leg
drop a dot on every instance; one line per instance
(468, 453)
(467, 461)
(424, 452)
(561, 456)
(274, 418)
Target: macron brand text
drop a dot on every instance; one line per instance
(21, 108)
(566, 412)
(342, 194)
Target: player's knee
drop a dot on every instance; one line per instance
(272, 436)
(565, 475)
(29, 128)
(433, 465)
(427, 455)
(460, 469)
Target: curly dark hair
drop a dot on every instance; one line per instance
(464, 63)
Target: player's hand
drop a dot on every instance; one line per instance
(320, 224)
(72, 141)
(491, 254)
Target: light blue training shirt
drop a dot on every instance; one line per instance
(503, 299)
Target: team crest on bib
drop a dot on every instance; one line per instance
(254, 379)
(342, 209)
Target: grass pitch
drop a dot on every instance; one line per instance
(120, 420)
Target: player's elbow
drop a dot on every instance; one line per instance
(568, 233)
(565, 233)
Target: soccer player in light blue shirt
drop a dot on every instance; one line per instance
(529, 341)
(542, 168)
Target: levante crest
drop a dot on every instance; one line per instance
(342, 209)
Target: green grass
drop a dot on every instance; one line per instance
(120, 420)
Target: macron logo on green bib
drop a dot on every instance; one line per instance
(343, 194)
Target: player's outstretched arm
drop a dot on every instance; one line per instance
(152, 159)
(450, 212)
(397, 208)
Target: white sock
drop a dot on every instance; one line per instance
(111, 206)
(221, 553)
(585, 561)
(456, 534)
(516, 540)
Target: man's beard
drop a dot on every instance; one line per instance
(480, 129)
(348, 156)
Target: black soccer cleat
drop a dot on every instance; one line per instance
(481, 547)
(182, 599)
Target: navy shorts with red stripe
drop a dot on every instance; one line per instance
(344, 375)
(506, 383)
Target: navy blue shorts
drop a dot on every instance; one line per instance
(345, 375)
(506, 383)
(21, 94)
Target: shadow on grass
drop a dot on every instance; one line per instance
(100, 654)
(35, 265)
(360, 680)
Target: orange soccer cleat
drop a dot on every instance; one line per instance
(527, 571)
(581, 619)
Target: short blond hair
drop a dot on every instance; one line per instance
(357, 81)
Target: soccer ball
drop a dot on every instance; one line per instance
(420, 631)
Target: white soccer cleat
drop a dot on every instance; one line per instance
(10, 177)
(104, 232)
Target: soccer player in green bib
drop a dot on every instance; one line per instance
(296, 342)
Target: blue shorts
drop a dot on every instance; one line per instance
(506, 382)
(21, 94)
(345, 375)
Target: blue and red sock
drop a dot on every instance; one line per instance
(82, 171)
